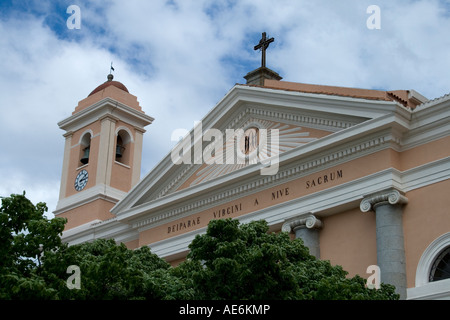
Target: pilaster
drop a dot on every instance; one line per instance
(65, 168)
(138, 141)
(106, 149)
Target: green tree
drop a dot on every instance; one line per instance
(230, 261)
(245, 261)
(110, 271)
(34, 261)
(25, 236)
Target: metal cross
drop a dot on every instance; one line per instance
(263, 45)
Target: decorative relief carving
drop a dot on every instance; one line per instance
(392, 197)
(333, 124)
(289, 137)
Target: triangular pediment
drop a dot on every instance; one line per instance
(299, 118)
(253, 142)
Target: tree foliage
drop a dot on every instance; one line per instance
(230, 261)
(245, 261)
(109, 271)
(25, 236)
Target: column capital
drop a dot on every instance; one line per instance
(109, 117)
(309, 221)
(68, 134)
(390, 196)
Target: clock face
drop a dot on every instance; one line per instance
(81, 180)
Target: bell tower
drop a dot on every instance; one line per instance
(102, 153)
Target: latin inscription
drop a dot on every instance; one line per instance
(332, 176)
(184, 225)
(222, 212)
(280, 193)
(276, 194)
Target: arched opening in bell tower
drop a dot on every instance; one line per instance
(85, 148)
(123, 147)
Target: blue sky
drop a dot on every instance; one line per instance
(181, 57)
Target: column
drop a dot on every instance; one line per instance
(307, 229)
(388, 208)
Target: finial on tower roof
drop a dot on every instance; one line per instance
(110, 76)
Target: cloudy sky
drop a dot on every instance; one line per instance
(180, 57)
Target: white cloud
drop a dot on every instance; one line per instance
(41, 84)
(181, 57)
(36, 189)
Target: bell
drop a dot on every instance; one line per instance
(85, 158)
(119, 150)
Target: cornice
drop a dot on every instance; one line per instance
(100, 191)
(427, 132)
(102, 108)
(358, 107)
(445, 99)
(107, 229)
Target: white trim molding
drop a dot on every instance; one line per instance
(437, 290)
(100, 191)
(428, 257)
(102, 108)
(82, 136)
(123, 128)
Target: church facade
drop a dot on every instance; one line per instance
(362, 176)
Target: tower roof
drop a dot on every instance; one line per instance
(109, 90)
(108, 83)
